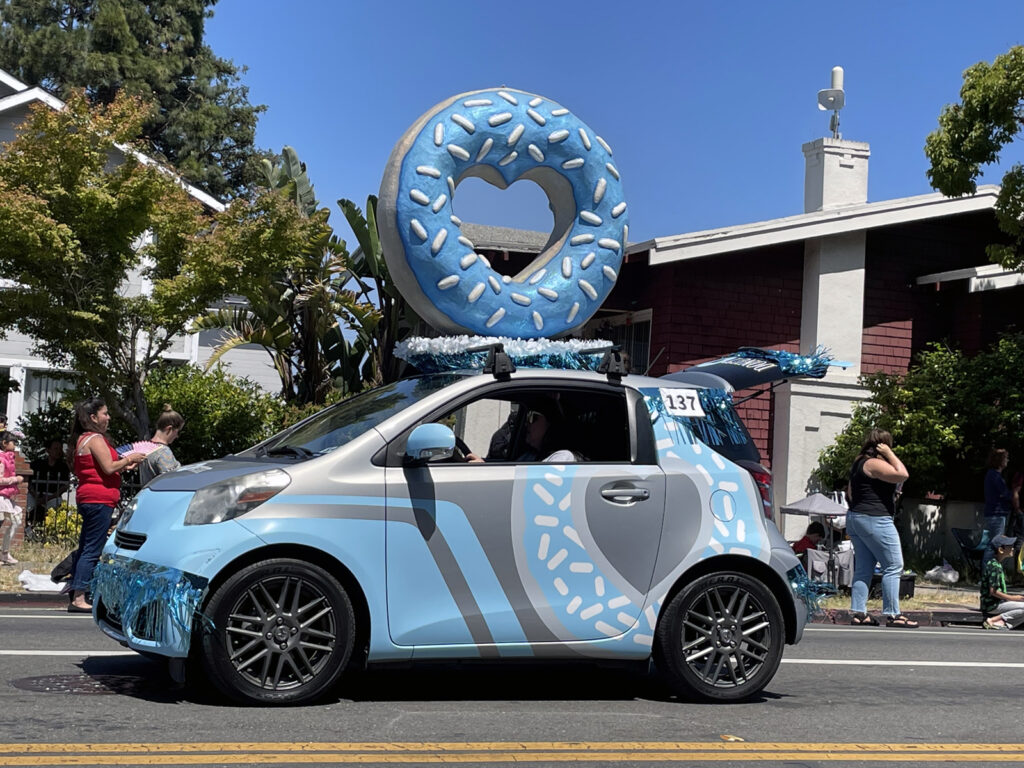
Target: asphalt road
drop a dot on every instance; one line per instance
(843, 696)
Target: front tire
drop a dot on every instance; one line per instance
(283, 633)
(720, 638)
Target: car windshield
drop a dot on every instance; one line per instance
(336, 425)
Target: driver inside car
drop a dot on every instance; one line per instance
(545, 437)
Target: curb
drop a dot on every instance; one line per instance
(841, 616)
(30, 599)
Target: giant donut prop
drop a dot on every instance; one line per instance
(501, 136)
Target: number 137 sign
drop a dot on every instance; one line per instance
(682, 402)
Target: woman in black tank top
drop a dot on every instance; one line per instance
(869, 524)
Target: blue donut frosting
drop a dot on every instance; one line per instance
(513, 133)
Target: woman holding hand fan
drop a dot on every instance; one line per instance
(98, 467)
(161, 458)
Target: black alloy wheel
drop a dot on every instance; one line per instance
(283, 633)
(721, 638)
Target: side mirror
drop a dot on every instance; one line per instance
(429, 441)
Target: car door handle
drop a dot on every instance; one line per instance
(625, 494)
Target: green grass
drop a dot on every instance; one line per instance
(38, 558)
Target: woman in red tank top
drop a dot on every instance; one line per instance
(98, 469)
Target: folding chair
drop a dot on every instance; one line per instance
(972, 553)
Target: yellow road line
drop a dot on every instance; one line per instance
(484, 746)
(265, 758)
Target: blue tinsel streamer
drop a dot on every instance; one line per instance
(811, 592)
(153, 603)
(814, 365)
(721, 426)
(440, 363)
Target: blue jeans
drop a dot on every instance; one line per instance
(875, 540)
(996, 526)
(95, 524)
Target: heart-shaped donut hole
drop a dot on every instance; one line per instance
(481, 191)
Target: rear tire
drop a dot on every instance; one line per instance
(283, 633)
(720, 638)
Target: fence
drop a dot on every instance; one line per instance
(50, 509)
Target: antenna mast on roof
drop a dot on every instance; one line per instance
(833, 98)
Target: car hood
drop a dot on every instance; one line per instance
(192, 477)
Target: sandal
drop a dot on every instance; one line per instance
(901, 621)
(864, 620)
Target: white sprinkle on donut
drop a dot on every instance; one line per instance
(428, 170)
(535, 153)
(599, 189)
(576, 162)
(493, 282)
(418, 229)
(625, 234)
(588, 289)
(538, 276)
(498, 119)
(439, 239)
(588, 260)
(484, 149)
(566, 267)
(560, 111)
(439, 134)
(609, 273)
(509, 98)
(612, 170)
(475, 293)
(445, 283)
(518, 298)
(477, 103)
(573, 311)
(516, 134)
(538, 321)
(458, 152)
(455, 220)
(548, 294)
(536, 102)
(466, 241)
(500, 313)
(590, 218)
(581, 239)
(537, 117)
(585, 139)
(609, 243)
(603, 143)
(485, 260)
(506, 279)
(618, 209)
(451, 186)
(556, 136)
(468, 261)
(508, 158)
(439, 203)
(463, 123)
(418, 197)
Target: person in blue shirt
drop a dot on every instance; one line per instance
(997, 498)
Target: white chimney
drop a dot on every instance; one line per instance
(836, 171)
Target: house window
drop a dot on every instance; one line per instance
(40, 389)
(630, 330)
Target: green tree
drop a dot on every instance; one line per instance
(204, 124)
(945, 414)
(70, 229)
(971, 135)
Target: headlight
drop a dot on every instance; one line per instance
(234, 496)
(126, 515)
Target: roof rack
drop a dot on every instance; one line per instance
(611, 364)
(498, 362)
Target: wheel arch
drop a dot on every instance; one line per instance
(318, 557)
(749, 567)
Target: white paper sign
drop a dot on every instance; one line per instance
(682, 402)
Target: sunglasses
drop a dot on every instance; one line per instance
(532, 416)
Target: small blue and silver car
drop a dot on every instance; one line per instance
(538, 513)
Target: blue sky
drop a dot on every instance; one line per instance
(705, 104)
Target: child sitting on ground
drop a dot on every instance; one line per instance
(1004, 610)
(8, 490)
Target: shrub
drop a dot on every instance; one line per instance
(945, 414)
(51, 421)
(61, 526)
(223, 414)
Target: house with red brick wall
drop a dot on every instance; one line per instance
(874, 282)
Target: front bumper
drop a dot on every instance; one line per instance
(145, 606)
